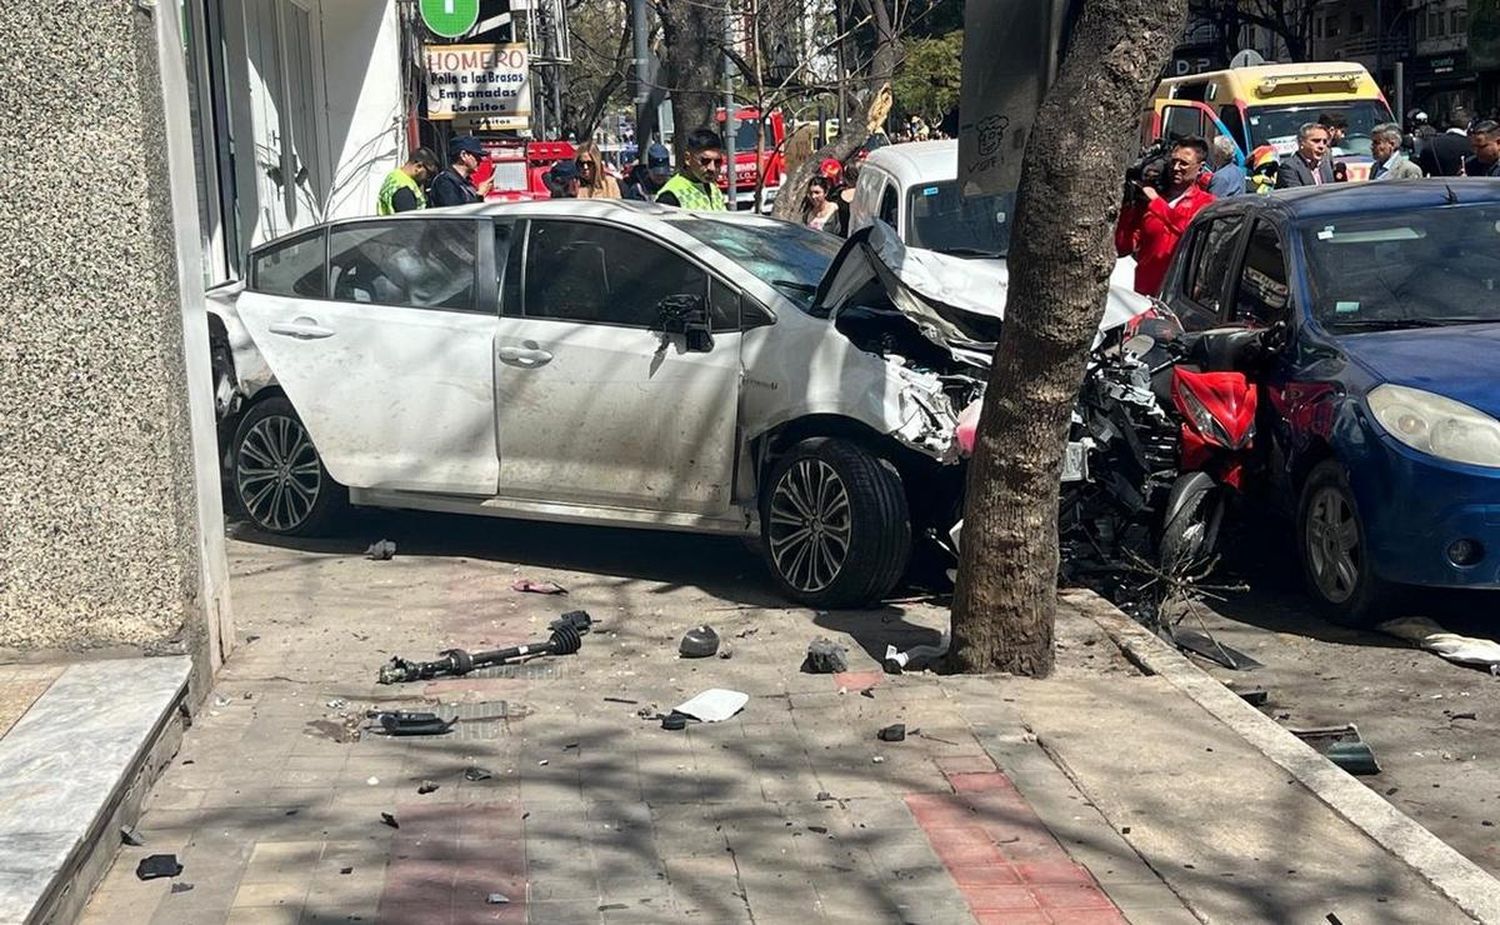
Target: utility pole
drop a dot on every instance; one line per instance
(838, 27)
(729, 120)
(641, 40)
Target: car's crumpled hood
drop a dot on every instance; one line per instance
(1461, 362)
(956, 302)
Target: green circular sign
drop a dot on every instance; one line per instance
(450, 18)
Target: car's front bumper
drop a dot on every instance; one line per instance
(1415, 507)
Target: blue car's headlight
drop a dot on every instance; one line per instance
(1436, 425)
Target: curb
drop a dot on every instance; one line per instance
(1462, 881)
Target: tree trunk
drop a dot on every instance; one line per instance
(1062, 252)
(692, 39)
(857, 128)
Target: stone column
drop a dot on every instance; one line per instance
(111, 531)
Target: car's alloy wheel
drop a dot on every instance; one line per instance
(835, 526)
(279, 480)
(810, 526)
(1332, 538)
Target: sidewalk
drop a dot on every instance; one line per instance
(791, 811)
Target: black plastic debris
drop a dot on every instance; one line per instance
(1213, 650)
(621, 700)
(129, 836)
(181, 887)
(824, 656)
(528, 586)
(895, 732)
(426, 787)
(381, 551)
(568, 631)
(699, 642)
(388, 819)
(404, 723)
(868, 692)
(823, 795)
(674, 721)
(1343, 746)
(346, 870)
(477, 773)
(158, 865)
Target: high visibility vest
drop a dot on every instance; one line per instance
(395, 180)
(690, 195)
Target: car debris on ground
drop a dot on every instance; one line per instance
(714, 705)
(824, 656)
(129, 836)
(895, 732)
(389, 820)
(158, 865)
(527, 586)
(1342, 745)
(476, 773)
(1461, 650)
(1201, 643)
(426, 787)
(568, 631)
(699, 642)
(381, 551)
(915, 658)
(410, 723)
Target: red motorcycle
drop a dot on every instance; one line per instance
(1212, 388)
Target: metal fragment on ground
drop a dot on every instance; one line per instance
(1201, 643)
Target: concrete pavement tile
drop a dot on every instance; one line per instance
(565, 912)
(263, 915)
(565, 886)
(277, 861)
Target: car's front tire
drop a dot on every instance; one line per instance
(1332, 547)
(835, 524)
(279, 480)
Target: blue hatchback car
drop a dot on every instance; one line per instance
(1382, 409)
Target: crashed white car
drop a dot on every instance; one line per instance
(602, 362)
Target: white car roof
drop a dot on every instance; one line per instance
(918, 161)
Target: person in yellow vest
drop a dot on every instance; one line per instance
(403, 189)
(696, 183)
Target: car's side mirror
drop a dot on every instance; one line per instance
(686, 315)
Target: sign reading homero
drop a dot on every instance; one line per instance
(478, 81)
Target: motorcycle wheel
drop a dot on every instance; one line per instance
(1190, 536)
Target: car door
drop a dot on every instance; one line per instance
(594, 406)
(386, 351)
(1199, 293)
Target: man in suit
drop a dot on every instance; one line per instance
(1484, 138)
(1390, 163)
(1310, 165)
(1443, 154)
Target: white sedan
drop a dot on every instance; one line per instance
(585, 361)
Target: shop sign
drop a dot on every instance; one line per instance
(489, 82)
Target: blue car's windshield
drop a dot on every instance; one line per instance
(1410, 268)
(790, 257)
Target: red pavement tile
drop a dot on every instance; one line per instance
(1013, 918)
(1057, 896)
(412, 914)
(1061, 871)
(960, 836)
(1000, 899)
(984, 875)
(854, 681)
(409, 881)
(993, 780)
(938, 810)
(967, 855)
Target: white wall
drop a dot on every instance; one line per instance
(362, 77)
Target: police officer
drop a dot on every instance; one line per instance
(646, 180)
(402, 189)
(453, 187)
(696, 183)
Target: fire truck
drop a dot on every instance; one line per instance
(518, 167)
(773, 131)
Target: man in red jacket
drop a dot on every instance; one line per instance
(1150, 227)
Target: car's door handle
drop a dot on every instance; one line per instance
(524, 357)
(301, 328)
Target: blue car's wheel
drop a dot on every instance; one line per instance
(1331, 541)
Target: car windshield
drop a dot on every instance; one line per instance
(941, 219)
(1278, 125)
(1427, 267)
(786, 255)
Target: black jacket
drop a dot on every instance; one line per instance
(1443, 155)
(450, 189)
(1472, 168)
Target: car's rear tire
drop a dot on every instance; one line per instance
(1331, 546)
(277, 475)
(835, 524)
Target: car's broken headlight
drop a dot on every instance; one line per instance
(1436, 425)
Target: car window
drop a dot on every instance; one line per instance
(1263, 288)
(888, 206)
(1213, 254)
(1181, 121)
(291, 268)
(790, 257)
(723, 306)
(508, 251)
(416, 263)
(602, 275)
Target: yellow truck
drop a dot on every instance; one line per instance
(1267, 104)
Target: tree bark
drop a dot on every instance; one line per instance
(1062, 252)
(692, 40)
